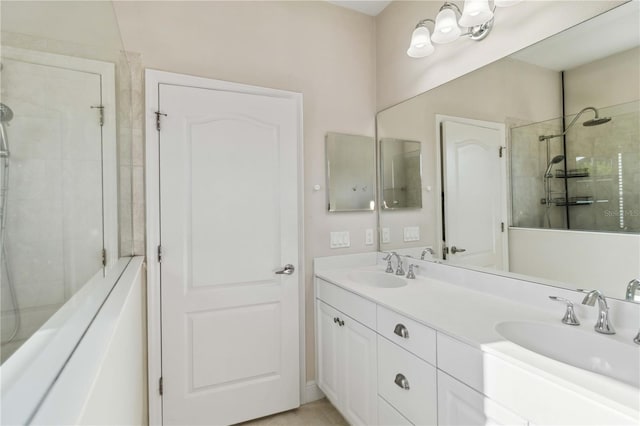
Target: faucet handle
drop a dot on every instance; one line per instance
(570, 317)
(399, 271)
(410, 273)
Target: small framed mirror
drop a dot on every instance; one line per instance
(350, 172)
(400, 174)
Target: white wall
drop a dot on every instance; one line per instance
(581, 259)
(400, 77)
(323, 51)
(104, 381)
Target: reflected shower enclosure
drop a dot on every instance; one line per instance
(579, 176)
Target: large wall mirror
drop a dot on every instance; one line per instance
(531, 164)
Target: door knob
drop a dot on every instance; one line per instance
(287, 270)
(455, 250)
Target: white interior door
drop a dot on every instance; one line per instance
(474, 193)
(228, 221)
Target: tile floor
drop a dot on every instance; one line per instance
(317, 413)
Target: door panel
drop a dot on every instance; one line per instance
(229, 220)
(474, 185)
(328, 349)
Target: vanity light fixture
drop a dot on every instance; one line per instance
(476, 17)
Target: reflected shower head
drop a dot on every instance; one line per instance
(554, 160)
(596, 121)
(6, 114)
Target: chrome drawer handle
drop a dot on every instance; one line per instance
(402, 381)
(401, 331)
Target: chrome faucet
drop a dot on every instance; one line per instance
(389, 257)
(632, 288)
(399, 270)
(425, 251)
(602, 324)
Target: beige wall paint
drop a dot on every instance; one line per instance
(323, 51)
(607, 82)
(506, 91)
(401, 77)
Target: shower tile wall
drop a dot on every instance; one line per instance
(611, 152)
(528, 163)
(54, 216)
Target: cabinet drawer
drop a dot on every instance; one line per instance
(461, 361)
(418, 339)
(389, 416)
(417, 402)
(355, 306)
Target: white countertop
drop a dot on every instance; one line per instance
(471, 316)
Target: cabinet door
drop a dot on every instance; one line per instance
(358, 364)
(460, 405)
(327, 351)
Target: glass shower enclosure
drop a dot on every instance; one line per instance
(582, 180)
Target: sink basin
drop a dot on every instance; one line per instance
(580, 348)
(377, 279)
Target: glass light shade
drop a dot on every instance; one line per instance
(475, 12)
(420, 43)
(506, 3)
(447, 29)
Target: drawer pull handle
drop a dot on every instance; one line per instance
(402, 381)
(401, 331)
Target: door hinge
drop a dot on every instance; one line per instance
(501, 150)
(100, 109)
(160, 386)
(502, 226)
(158, 114)
(104, 257)
(159, 254)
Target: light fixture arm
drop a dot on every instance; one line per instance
(424, 22)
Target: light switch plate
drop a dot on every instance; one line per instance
(386, 235)
(340, 239)
(368, 237)
(411, 233)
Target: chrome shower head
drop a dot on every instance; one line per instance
(554, 160)
(6, 114)
(596, 121)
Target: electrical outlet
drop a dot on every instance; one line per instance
(386, 235)
(368, 237)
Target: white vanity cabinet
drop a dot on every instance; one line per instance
(346, 360)
(460, 405)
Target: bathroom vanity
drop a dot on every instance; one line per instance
(439, 349)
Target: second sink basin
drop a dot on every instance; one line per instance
(580, 348)
(377, 279)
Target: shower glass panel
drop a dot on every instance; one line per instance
(65, 160)
(594, 182)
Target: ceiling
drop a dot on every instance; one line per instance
(612, 32)
(369, 7)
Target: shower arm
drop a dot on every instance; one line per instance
(542, 138)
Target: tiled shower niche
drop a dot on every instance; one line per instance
(596, 187)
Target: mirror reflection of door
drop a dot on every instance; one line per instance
(474, 192)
